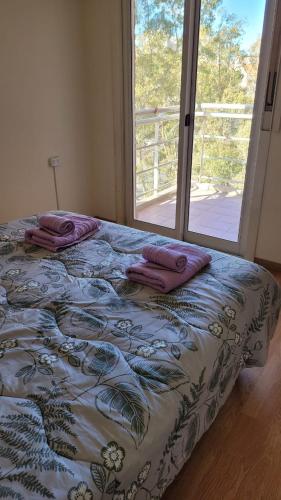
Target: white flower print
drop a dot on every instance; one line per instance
(124, 324)
(143, 474)
(145, 350)
(230, 313)
(47, 359)
(247, 355)
(163, 487)
(131, 493)
(4, 237)
(66, 347)
(237, 338)
(216, 329)
(159, 344)
(81, 492)
(13, 272)
(119, 495)
(8, 344)
(113, 456)
(87, 274)
(33, 284)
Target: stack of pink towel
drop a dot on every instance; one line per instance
(167, 267)
(56, 233)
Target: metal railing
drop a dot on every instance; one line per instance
(151, 180)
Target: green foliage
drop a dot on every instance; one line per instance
(100, 360)
(28, 442)
(172, 306)
(31, 483)
(123, 400)
(226, 74)
(6, 492)
(6, 248)
(99, 476)
(157, 376)
(248, 280)
(186, 417)
(229, 290)
(57, 415)
(258, 321)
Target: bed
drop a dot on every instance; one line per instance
(106, 386)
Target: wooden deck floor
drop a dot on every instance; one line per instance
(240, 456)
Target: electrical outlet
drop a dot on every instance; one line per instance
(54, 161)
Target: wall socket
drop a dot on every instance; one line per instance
(54, 161)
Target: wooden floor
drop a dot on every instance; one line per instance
(240, 456)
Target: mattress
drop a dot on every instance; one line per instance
(106, 386)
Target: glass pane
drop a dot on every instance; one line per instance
(229, 47)
(158, 34)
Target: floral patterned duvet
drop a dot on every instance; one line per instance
(106, 386)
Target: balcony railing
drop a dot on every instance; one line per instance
(215, 124)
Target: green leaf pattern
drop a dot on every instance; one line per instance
(105, 385)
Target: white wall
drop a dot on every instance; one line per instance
(269, 236)
(43, 108)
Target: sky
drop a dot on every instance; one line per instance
(252, 11)
(249, 11)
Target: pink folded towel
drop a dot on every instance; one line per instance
(58, 226)
(84, 227)
(166, 257)
(164, 280)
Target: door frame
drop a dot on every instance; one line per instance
(259, 141)
(257, 153)
(129, 126)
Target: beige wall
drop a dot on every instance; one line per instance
(103, 46)
(43, 108)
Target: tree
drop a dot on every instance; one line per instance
(223, 67)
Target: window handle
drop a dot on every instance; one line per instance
(187, 121)
(270, 90)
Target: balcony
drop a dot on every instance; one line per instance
(220, 151)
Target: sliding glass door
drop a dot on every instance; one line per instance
(158, 44)
(194, 77)
(229, 43)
